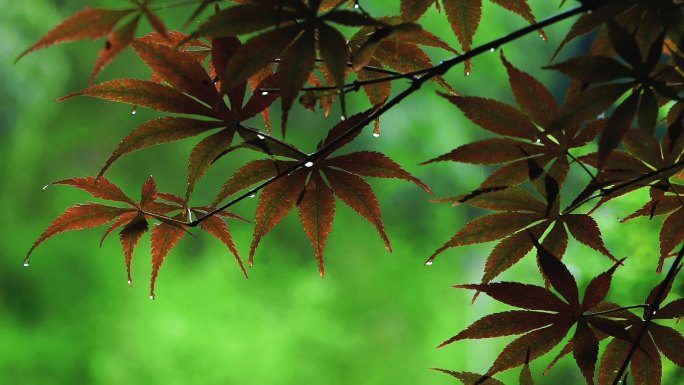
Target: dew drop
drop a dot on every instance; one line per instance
(261, 136)
(152, 297)
(45, 187)
(541, 35)
(356, 6)
(264, 93)
(134, 110)
(342, 118)
(27, 264)
(309, 164)
(376, 134)
(467, 73)
(492, 49)
(538, 141)
(252, 195)
(429, 263)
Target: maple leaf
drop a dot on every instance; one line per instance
(647, 77)
(133, 220)
(646, 364)
(546, 317)
(464, 17)
(285, 38)
(469, 378)
(95, 23)
(313, 188)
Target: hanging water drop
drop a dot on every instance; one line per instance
(252, 195)
(152, 297)
(264, 93)
(538, 140)
(261, 136)
(309, 164)
(130, 283)
(492, 49)
(45, 187)
(356, 6)
(26, 264)
(429, 263)
(134, 110)
(376, 134)
(467, 73)
(342, 118)
(542, 36)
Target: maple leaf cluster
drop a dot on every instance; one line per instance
(221, 79)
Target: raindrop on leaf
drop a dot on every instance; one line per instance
(309, 164)
(26, 264)
(261, 136)
(376, 134)
(429, 263)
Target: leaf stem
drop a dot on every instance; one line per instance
(617, 309)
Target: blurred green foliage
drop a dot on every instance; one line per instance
(374, 319)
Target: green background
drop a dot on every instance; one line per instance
(375, 319)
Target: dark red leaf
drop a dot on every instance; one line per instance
(558, 274)
(179, 69)
(468, 378)
(412, 10)
(99, 188)
(495, 116)
(598, 288)
(584, 228)
(164, 238)
(587, 105)
(251, 174)
(358, 195)
(488, 151)
(257, 53)
(215, 226)
(488, 228)
(508, 252)
(669, 341)
(158, 131)
(374, 164)
(504, 324)
(148, 193)
(317, 211)
(116, 42)
(672, 233)
(334, 52)
(520, 295)
(275, 201)
(146, 94)
(87, 23)
(529, 347)
(464, 18)
(294, 70)
(340, 129)
(129, 237)
(242, 19)
(78, 217)
(585, 351)
(617, 126)
(203, 155)
(674, 309)
(123, 220)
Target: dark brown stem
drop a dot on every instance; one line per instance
(617, 309)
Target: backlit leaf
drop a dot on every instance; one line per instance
(584, 228)
(88, 23)
(116, 42)
(204, 154)
(129, 237)
(520, 295)
(294, 70)
(358, 195)
(144, 93)
(249, 175)
(275, 201)
(158, 131)
(99, 188)
(464, 18)
(317, 211)
(79, 217)
(164, 238)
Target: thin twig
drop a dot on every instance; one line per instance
(616, 310)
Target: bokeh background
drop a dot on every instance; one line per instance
(375, 319)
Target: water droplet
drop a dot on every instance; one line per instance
(542, 36)
(27, 264)
(130, 283)
(252, 195)
(467, 73)
(356, 6)
(152, 297)
(492, 49)
(261, 136)
(264, 93)
(309, 164)
(376, 134)
(45, 187)
(134, 110)
(342, 118)
(429, 263)
(538, 140)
